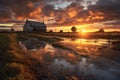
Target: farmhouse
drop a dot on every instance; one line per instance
(32, 26)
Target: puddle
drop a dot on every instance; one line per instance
(95, 42)
(64, 63)
(91, 47)
(32, 44)
(85, 68)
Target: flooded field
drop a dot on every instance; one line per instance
(83, 59)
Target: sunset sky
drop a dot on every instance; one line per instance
(62, 14)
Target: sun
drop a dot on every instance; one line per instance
(83, 31)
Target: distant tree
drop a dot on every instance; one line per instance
(73, 39)
(61, 31)
(73, 29)
(12, 29)
(101, 30)
(51, 31)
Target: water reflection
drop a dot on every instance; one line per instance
(86, 69)
(64, 63)
(87, 41)
(49, 48)
(91, 47)
(33, 43)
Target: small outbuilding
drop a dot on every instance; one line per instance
(101, 30)
(33, 26)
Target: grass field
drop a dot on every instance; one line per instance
(12, 60)
(15, 64)
(106, 35)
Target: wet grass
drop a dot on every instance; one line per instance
(91, 35)
(53, 40)
(4, 42)
(58, 45)
(45, 38)
(12, 64)
(4, 46)
(16, 65)
(61, 46)
(49, 39)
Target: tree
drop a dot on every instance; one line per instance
(61, 31)
(12, 29)
(51, 31)
(73, 29)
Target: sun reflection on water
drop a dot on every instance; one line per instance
(62, 62)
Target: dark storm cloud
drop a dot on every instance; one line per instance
(62, 16)
(6, 12)
(111, 8)
(103, 10)
(74, 13)
(116, 22)
(19, 7)
(48, 10)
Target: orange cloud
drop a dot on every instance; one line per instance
(35, 14)
(30, 4)
(72, 13)
(98, 18)
(95, 16)
(21, 18)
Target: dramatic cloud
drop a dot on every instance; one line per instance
(60, 12)
(20, 8)
(110, 8)
(6, 13)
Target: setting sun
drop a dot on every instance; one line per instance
(83, 30)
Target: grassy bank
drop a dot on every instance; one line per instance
(16, 65)
(13, 64)
(46, 38)
(52, 40)
(106, 35)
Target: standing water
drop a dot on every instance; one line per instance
(86, 59)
